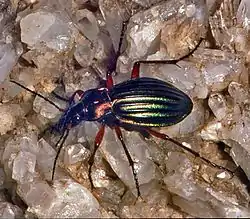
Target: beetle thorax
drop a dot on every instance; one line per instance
(96, 103)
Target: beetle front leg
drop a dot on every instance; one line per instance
(98, 141)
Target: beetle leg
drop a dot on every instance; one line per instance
(98, 141)
(109, 80)
(62, 138)
(136, 70)
(124, 26)
(136, 67)
(22, 61)
(131, 162)
(166, 137)
(113, 58)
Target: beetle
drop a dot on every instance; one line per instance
(139, 103)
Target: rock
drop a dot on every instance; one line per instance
(193, 121)
(75, 153)
(8, 210)
(10, 46)
(74, 201)
(218, 105)
(212, 131)
(43, 27)
(8, 58)
(114, 15)
(243, 14)
(87, 23)
(167, 23)
(84, 52)
(9, 114)
(68, 199)
(24, 167)
(31, 194)
(238, 92)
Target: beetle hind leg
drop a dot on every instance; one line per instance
(196, 154)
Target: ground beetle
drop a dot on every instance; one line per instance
(138, 104)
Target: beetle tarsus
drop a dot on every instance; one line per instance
(62, 138)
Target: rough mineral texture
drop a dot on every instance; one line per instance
(55, 47)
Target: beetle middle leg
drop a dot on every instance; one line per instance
(131, 162)
(98, 140)
(136, 67)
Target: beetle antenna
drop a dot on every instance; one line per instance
(63, 138)
(33, 92)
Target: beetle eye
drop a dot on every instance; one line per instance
(77, 98)
(78, 95)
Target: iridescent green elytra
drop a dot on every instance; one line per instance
(149, 102)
